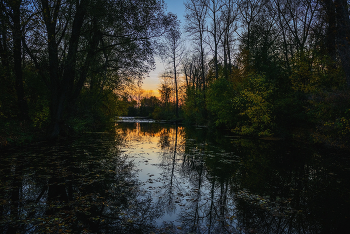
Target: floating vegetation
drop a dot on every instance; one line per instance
(166, 181)
(278, 207)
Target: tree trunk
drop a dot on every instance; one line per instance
(17, 57)
(229, 56)
(186, 76)
(56, 97)
(331, 29)
(61, 86)
(176, 91)
(4, 52)
(202, 60)
(343, 35)
(215, 41)
(225, 44)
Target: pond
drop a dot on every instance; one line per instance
(149, 177)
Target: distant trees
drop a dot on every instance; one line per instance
(148, 105)
(168, 102)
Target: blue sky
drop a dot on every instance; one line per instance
(152, 82)
(177, 7)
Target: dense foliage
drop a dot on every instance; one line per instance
(277, 68)
(271, 68)
(65, 64)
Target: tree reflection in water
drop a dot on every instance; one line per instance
(153, 178)
(80, 186)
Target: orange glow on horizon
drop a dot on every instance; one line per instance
(149, 93)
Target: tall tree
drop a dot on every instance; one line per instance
(337, 33)
(296, 20)
(13, 10)
(173, 51)
(215, 30)
(249, 11)
(117, 34)
(196, 14)
(330, 19)
(228, 18)
(343, 35)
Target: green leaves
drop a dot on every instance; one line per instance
(254, 106)
(220, 98)
(247, 109)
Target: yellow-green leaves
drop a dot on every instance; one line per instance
(253, 103)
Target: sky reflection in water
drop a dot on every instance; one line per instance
(153, 178)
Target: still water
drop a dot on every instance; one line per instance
(148, 177)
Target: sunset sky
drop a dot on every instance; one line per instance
(152, 81)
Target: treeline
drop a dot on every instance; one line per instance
(260, 68)
(269, 68)
(160, 107)
(65, 64)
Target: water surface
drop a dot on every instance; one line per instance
(155, 178)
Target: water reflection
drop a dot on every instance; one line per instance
(153, 178)
(81, 186)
